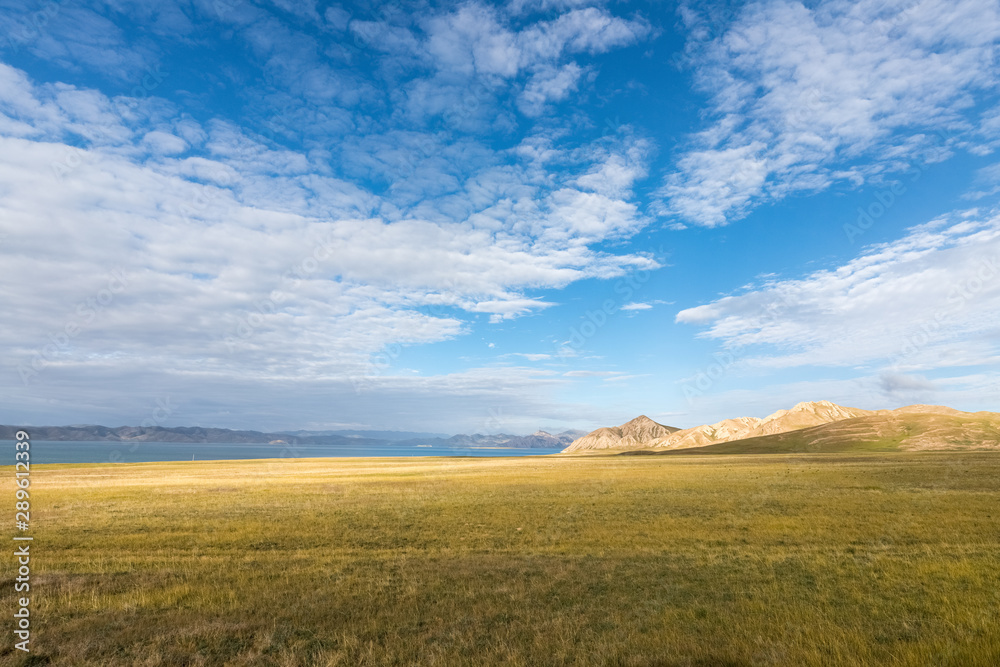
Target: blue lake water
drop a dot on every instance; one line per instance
(140, 452)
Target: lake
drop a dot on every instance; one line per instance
(69, 451)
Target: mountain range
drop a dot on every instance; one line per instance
(197, 434)
(808, 426)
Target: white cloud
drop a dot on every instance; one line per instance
(250, 263)
(590, 374)
(75, 38)
(927, 301)
(625, 378)
(303, 239)
(471, 40)
(337, 17)
(637, 306)
(987, 178)
(532, 357)
(548, 84)
(164, 143)
(475, 40)
(845, 90)
(523, 6)
(590, 30)
(615, 173)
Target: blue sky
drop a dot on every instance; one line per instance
(485, 217)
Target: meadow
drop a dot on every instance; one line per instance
(802, 559)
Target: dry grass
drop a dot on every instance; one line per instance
(878, 559)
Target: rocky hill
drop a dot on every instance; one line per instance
(636, 433)
(886, 430)
(804, 415)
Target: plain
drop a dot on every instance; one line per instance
(800, 559)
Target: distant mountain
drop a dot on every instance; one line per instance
(640, 432)
(804, 415)
(197, 434)
(905, 429)
(544, 439)
(390, 436)
(90, 432)
(537, 440)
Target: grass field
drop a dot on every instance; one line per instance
(868, 559)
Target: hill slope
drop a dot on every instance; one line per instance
(638, 434)
(884, 431)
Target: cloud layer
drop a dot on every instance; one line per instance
(353, 203)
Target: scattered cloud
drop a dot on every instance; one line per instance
(988, 180)
(927, 301)
(804, 97)
(257, 255)
(340, 187)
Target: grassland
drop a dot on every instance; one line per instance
(867, 559)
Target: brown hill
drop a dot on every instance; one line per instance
(887, 430)
(935, 409)
(636, 433)
(881, 426)
(802, 415)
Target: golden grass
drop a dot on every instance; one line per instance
(874, 559)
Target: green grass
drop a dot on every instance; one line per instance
(869, 559)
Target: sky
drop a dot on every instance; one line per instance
(495, 217)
